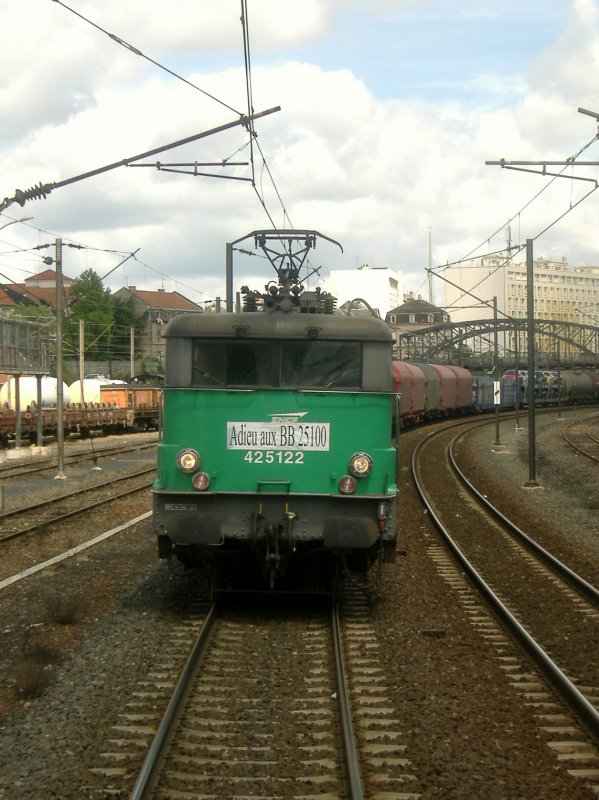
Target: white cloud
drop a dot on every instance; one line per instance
(373, 174)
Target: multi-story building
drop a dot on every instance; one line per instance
(414, 314)
(562, 293)
(159, 307)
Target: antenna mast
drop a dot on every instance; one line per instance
(430, 268)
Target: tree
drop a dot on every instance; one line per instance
(125, 318)
(108, 320)
(33, 313)
(89, 301)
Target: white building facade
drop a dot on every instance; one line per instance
(561, 292)
(381, 287)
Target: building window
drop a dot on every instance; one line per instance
(412, 318)
(392, 319)
(430, 318)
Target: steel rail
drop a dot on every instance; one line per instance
(17, 470)
(147, 776)
(43, 503)
(587, 589)
(566, 433)
(67, 514)
(343, 703)
(73, 551)
(584, 710)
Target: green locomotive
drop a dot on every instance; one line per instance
(277, 451)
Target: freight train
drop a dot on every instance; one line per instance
(116, 408)
(432, 391)
(280, 430)
(426, 392)
(278, 458)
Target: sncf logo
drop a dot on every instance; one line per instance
(291, 417)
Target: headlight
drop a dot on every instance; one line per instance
(360, 465)
(188, 460)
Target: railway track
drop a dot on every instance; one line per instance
(18, 469)
(61, 523)
(37, 516)
(441, 698)
(583, 436)
(285, 703)
(547, 608)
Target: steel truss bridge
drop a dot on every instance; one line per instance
(557, 343)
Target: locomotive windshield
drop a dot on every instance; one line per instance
(302, 364)
(321, 363)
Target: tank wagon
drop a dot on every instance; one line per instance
(277, 454)
(579, 386)
(28, 392)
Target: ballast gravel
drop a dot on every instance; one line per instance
(118, 603)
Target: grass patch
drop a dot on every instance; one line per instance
(31, 673)
(40, 651)
(30, 678)
(63, 609)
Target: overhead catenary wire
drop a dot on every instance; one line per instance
(138, 52)
(170, 278)
(40, 190)
(272, 180)
(82, 246)
(248, 122)
(248, 81)
(253, 138)
(518, 213)
(515, 250)
(128, 255)
(249, 93)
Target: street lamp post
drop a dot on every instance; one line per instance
(12, 222)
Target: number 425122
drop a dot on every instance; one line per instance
(274, 457)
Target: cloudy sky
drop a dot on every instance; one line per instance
(389, 110)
